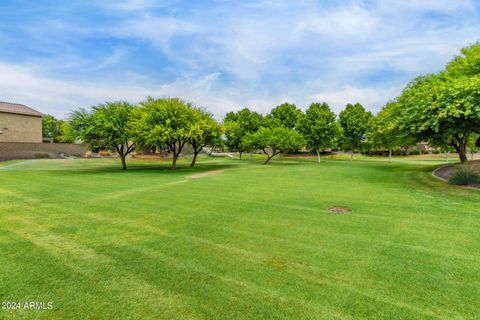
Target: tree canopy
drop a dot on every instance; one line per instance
(165, 123)
(107, 125)
(318, 127)
(285, 115)
(273, 141)
(203, 131)
(444, 109)
(354, 121)
(238, 125)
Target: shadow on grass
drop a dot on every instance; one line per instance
(163, 168)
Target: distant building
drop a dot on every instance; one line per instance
(19, 123)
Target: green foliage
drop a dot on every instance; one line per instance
(52, 128)
(318, 127)
(203, 131)
(415, 152)
(285, 115)
(108, 125)
(165, 123)
(238, 125)
(466, 64)
(444, 108)
(354, 121)
(273, 141)
(464, 175)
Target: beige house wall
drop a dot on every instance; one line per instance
(16, 150)
(20, 128)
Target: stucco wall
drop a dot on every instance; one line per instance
(13, 150)
(20, 128)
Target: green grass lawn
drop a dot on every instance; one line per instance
(237, 240)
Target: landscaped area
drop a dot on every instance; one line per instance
(238, 239)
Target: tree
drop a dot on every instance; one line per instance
(52, 128)
(106, 125)
(285, 115)
(384, 133)
(204, 131)
(165, 123)
(442, 110)
(354, 122)
(274, 141)
(238, 125)
(318, 127)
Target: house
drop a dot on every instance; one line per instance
(19, 123)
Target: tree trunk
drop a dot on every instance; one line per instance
(472, 155)
(124, 162)
(446, 156)
(390, 155)
(462, 153)
(240, 155)
(174, 161)
(195, 154)
(269, 158)
(318, 156)
(351, 155)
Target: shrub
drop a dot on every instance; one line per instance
(464, 175)
(425, 152)
(436, 151)
(88, 154)
(42, 156)
(415, 152)
(105, 153)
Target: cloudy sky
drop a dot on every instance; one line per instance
(224, 55)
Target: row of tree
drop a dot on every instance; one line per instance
(167, 124)
(441, 109)
(287, 128)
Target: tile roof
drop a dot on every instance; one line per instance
(18, 108)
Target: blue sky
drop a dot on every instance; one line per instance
(224, 55)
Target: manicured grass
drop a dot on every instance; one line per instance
(245, 241)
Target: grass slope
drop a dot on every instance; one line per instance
(246, 241)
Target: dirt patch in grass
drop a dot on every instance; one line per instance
(277, 264)
(204, 174)
(340, 210)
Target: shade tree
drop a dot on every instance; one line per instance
(165, 123)
(273, 141)
(354, 121)
(285, 115)
(204, 131)
(239, 124)
(318, 127)
(107, 125)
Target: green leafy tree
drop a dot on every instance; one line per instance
(384, 133)
(238, 125)
(273, 141)
(52, 128)
(444, 108)
(318, 127)
(285, 115)
(354, 121)
(203, 131)
(467, 63)
(165, 123)
(106, 125)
